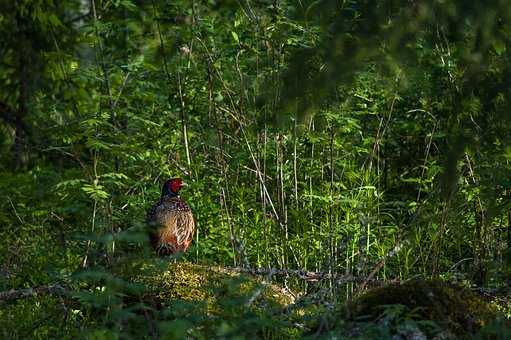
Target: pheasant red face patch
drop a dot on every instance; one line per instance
(176, 185)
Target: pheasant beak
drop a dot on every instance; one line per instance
(184, 184)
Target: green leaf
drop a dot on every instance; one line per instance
(235, 37)
(499, 47)
(95, 191)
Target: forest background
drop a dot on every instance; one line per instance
(357, 138)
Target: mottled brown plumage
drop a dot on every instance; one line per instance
(171, 221)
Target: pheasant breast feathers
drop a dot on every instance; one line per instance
(172, 225)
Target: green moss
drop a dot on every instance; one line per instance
(502, 303)
(202, 300)
(194, 282)
(451, 307)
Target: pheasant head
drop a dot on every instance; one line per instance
(171, 187)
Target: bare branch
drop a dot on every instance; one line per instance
(302, 274)
(17, 294)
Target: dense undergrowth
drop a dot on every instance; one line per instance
(333, 146)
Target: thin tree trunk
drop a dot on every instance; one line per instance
(295, 170)
(184, 123)
(330, 210)
(479, 250)
(264, 201)
(19, 146)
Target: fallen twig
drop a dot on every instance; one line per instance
(16, 294)
(302, 274)
(399, 245)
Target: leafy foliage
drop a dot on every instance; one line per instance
(363, 140)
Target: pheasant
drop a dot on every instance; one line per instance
(170, 221)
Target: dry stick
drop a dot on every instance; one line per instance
(101, 61)
(382, 128)
(311, 202)
(93, 222)
(220, 154)
(166, 69)
(380, 133)
(259, 195)
(380, 137)
(280, 186)
(15, 211)
(221, 158)
(76, 157)
(162, 45)
(399, 245)
(472, 176)
(309, 276)
(95, 152)
(63, 69)
(94, 210)
(231, 229)
(441, 35)
(241, 109)
(124, 82)
(210, 119)
(330, 210)
(259, 290)
(246, 141)
(235, 117)
(282, 225)
(261, 179)
(228, 92)
(13, 294)
(428, 150)
(438, 239)
(435, 244)
(183, 112)
(480, 231)
(242, 82)
(271, 58)
(266, 226)
(282, 191)
(295, 170)
(183, 120)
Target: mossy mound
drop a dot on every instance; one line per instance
(501, 302)
(200, 301)
(456, 310)
(195, 282)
